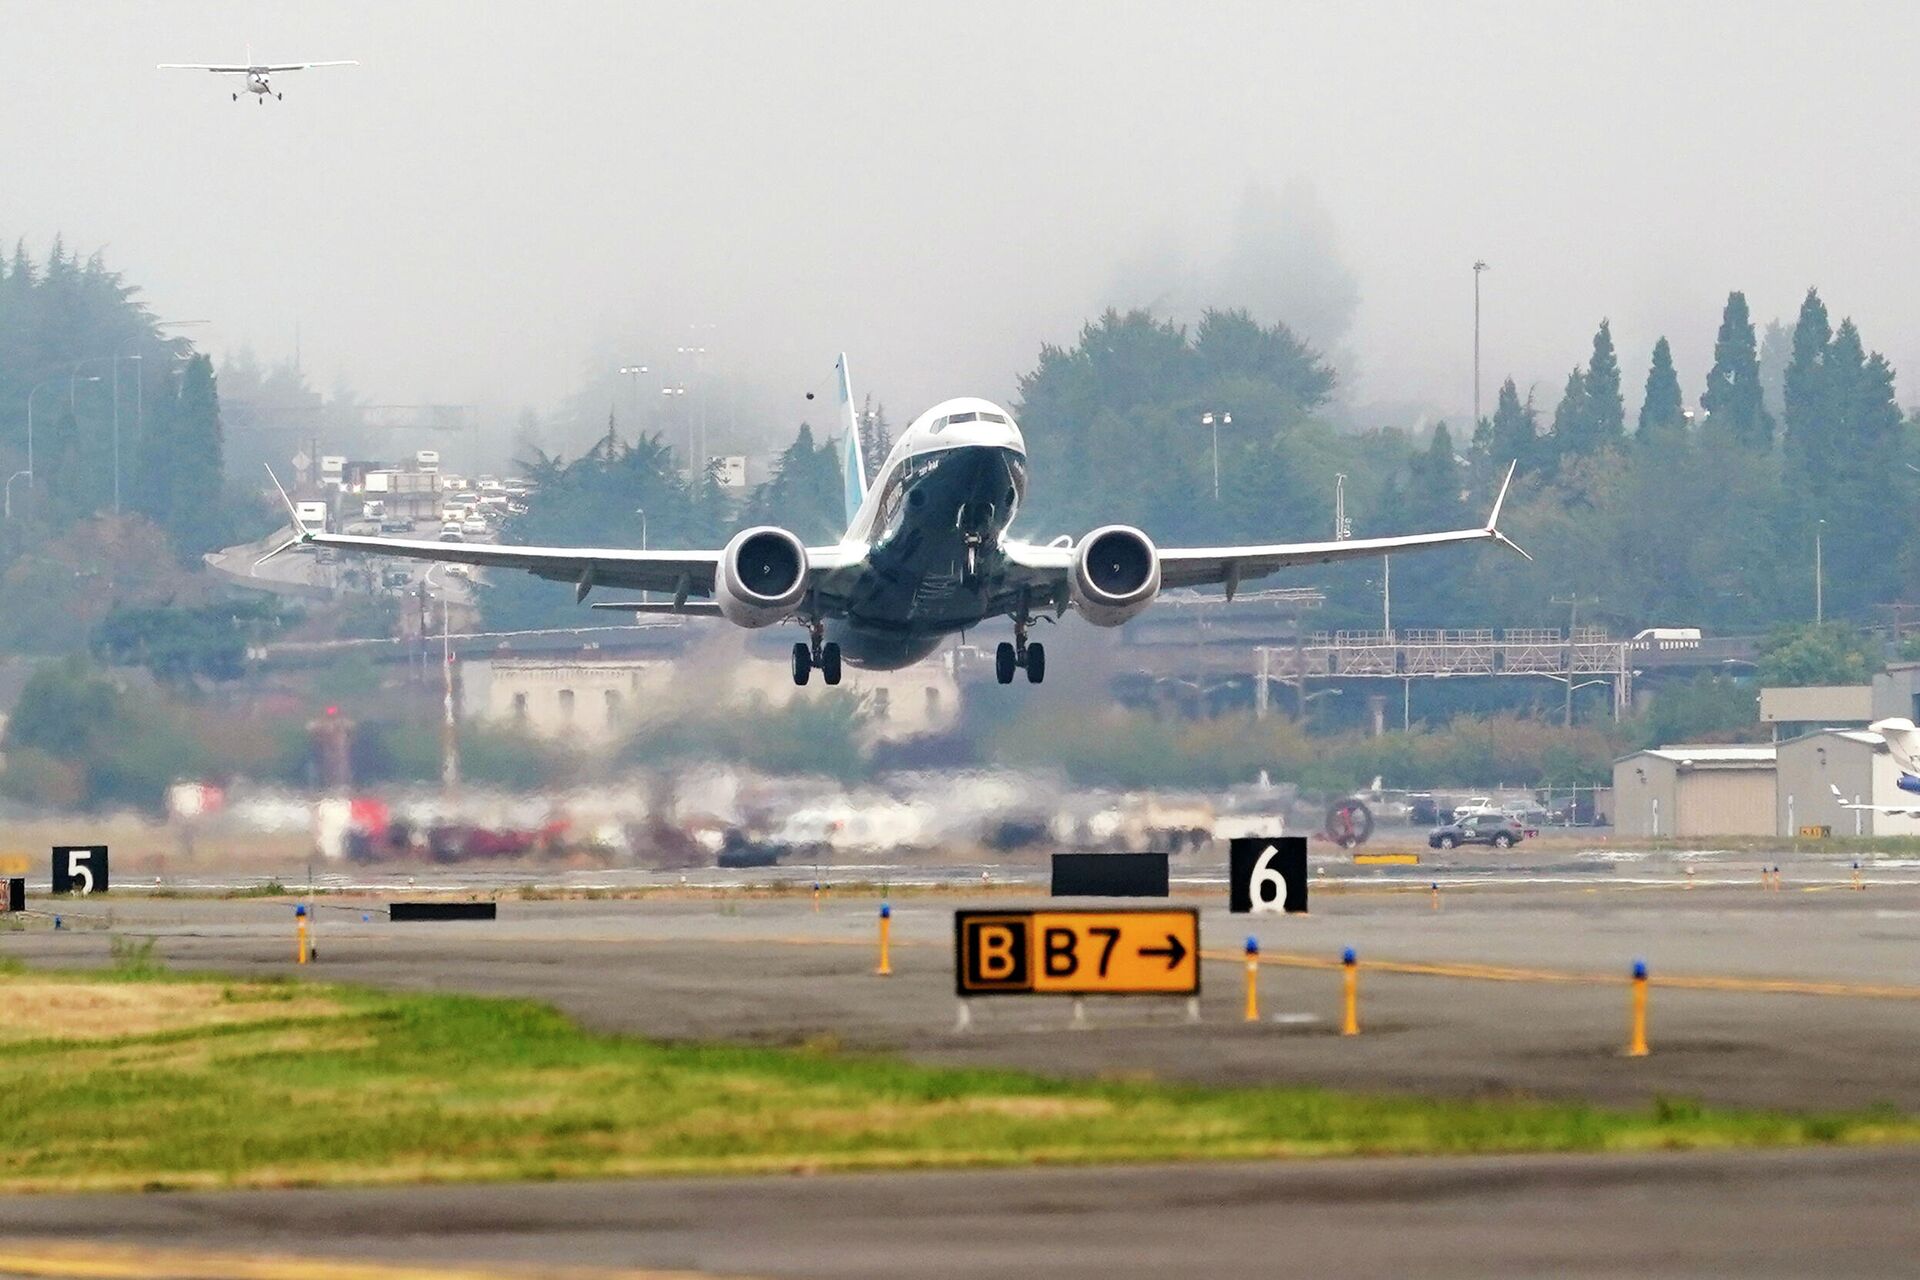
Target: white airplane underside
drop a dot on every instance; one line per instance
(927, 553)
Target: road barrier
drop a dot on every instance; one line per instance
(886, 937)
(1350, 1013)
(1637, 1034)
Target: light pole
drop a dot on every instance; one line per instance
(1213, 422)
(1478, 266)
(642, 513)
(632, 372)
(31, 479)
(695, 355)
(1819, 584)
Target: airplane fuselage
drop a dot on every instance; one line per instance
(934, 566)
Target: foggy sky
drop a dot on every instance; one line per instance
(505, 200)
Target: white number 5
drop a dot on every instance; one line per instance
(79, 873)
(1266, 886)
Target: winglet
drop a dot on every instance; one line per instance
(1493, 519)
(299, 530)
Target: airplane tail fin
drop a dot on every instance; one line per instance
(1903, 742)
(853, 467)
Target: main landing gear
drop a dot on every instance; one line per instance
(809, 654)
(1009, 657)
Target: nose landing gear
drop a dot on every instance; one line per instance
(1032, 657)
(812, 653)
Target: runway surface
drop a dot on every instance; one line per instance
(1829, 1213)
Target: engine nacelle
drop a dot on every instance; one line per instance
(1116, 574)
(762, 577)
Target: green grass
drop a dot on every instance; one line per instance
(310, 1084)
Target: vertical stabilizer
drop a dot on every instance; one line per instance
(853, 467)
(1903, 742)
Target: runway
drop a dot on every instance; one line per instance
(1787, 1214)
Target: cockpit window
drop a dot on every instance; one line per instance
(955, 420)
(1000, 418)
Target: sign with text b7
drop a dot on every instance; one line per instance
(1077, 953)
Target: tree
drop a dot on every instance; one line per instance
(1803, 389)
(805, 492)
(1605, 419)
(1733, 395)
(195, 468)
(1661, 417)
(1513, 434)
(1570, 416)
(1815, 654)
(876, 438)
(1438, 483)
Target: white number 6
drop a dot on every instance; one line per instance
(1266, 886)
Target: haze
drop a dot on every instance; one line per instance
(504, 202)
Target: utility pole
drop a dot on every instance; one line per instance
(449, 737)
(1819, 575)
(1213, 422)
(1479, 265)
(1573, 621)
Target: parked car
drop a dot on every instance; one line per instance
(396, 526)
(473, 525)
(450, 532)
(1496, 829)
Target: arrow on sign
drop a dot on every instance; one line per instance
(1174, 951)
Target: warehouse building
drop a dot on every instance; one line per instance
(1685, 791)
(1858, 764)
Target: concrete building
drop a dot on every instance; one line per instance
(1893, 692)
(1858, 763)
(1695, 791)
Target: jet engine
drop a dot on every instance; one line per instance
(1116, 574)
(761, 578)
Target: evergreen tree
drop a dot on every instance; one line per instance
(1776, 351)
(1569, 416)
(1604, 421)
(1661, 417)
(1513, 433)
(804, 493)
(1733, 396)
(1436, 496)
(876, 437)
(1804, 391)
(195, 468)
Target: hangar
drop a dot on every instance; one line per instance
(1859, 764)
(1707, 790)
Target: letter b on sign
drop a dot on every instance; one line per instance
(993, 953)
(1268, 874)
(79, 868)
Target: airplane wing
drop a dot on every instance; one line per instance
(1046, 567)
(216, 67)
(1904, 811)
(302, 66)
(679, 574)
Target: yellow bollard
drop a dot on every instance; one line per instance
(300, 931)
(1436, 895)
(1637, 1039)
(1857, 883)
(1689, 877)
(1350, 1021)
(886, 927)
(1253, 979)
(1776, 880)
(1766, 878)
(816, 897)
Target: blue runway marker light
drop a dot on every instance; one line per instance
(364, 917)
(885, 911)
(57, 924)
(300, 909)
(1253, 945)
(1639, 969)
(1348, 957)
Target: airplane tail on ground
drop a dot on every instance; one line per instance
(853, 468)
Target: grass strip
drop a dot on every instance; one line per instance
(254, 1085)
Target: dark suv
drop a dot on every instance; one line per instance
(1496, 829)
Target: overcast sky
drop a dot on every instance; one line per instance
(506, 197)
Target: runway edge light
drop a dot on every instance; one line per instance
(1637, 1039)
(1350, 1010)
(1253, 979)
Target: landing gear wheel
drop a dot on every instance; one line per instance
(802, 663)
(830, 663)
(279, 97)
(1349, 823)
(1003, 663)
(1036, 662)
(236, 97)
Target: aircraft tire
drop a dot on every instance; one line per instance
(802, 663)
(830, 663)
(1036, 662)
(1003, 663)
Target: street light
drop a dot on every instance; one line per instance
(30, 395)
(680, 391)
(632, 373)
(1213, 422)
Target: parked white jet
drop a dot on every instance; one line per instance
(926, 554)
(255, 72)
(1903, 744)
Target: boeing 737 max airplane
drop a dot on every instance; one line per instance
(926, 554)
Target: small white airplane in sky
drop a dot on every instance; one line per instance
(255, 72)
